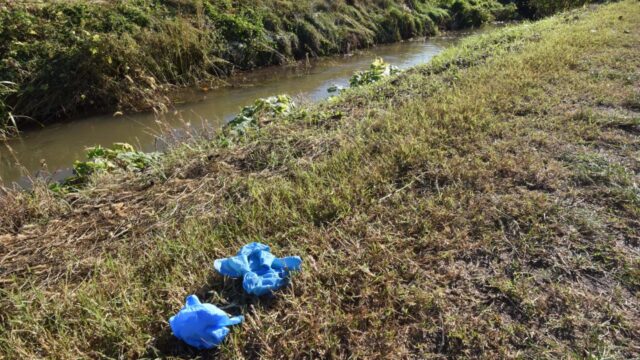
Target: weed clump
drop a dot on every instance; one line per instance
(377, 71)
(253, 116)
(120, 156)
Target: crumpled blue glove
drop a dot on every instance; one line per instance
(202, 326)
(262, 272)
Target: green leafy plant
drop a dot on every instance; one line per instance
(121, 156)
(250, 115)
(378, 70)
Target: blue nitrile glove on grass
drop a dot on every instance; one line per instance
(262, 272)
(202, 325)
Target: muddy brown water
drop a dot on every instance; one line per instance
(51, 151)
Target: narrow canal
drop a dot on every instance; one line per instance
(53, 149)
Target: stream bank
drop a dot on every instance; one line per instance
(61, 59)
(50, 151)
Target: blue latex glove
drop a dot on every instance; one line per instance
(261, 271)
(202, 326)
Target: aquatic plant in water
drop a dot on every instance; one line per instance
(261, 271)
(203, 326)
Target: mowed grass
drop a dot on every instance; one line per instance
(484, 205)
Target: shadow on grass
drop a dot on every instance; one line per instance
(229, 296)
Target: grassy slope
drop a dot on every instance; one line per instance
(483, 205)
(69, 57)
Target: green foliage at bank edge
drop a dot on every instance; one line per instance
(249, 117)
(377, 71)
(124, 157)
(121, 156)
(73, 57)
